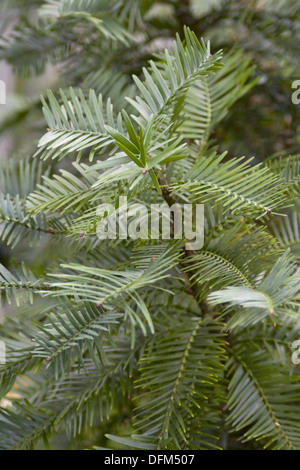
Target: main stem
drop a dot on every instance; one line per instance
(193, 287)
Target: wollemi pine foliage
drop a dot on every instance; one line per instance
(143, 344)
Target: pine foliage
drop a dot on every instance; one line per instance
(146, 344)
